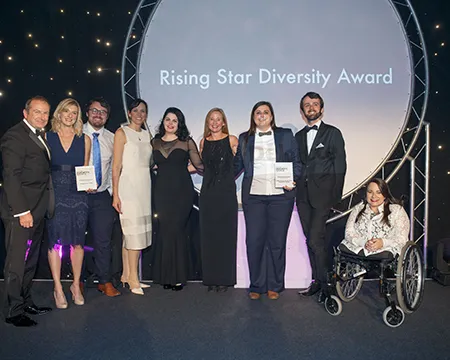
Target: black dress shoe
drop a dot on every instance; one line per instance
(323, 295)
(167, 287)
(210, 288)
(36, 310)
(311, 290)
(21, 321)
(177, 287)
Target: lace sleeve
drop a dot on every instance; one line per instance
(399, 234)
(194, 155)
(353, 240)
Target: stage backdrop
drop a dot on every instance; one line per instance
(201, 54)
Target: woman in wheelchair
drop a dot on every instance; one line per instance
(378, 228)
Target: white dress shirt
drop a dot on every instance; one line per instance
(106, 140)
(311, 135)
(48, 153)
(264, 159)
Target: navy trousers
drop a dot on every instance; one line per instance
(100, 225)
(267, 219)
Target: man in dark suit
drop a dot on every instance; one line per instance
(267, 208)
(27, 198)
(322, 153)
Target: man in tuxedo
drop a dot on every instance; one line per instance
(322, 153)
(27, 198)
(102, 216)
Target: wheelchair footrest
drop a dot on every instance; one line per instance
(359, 273)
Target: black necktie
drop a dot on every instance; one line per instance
(265, 133)
(309, 128)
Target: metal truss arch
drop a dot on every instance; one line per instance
(406, 140)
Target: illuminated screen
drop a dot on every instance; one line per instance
(200, 54)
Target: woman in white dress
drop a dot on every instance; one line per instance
(377, 228)
(131, 190)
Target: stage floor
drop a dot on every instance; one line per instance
(195, 324)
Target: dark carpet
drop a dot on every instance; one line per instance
(195, 324)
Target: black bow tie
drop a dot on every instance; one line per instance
(309, 128)
(265, 133)
(40, 133)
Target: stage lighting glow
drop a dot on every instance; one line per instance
(59, 249)
(29, 243)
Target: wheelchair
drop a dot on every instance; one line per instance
(403, 275)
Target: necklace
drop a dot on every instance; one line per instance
(138, 132)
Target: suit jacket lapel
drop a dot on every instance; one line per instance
(304, 146)
(279, 151)
(36, 140)
(251, 149)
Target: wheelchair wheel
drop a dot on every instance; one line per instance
(347, 284)
(393, 318)
(410, 278)
(333, 305)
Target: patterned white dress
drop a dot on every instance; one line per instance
(134, 190)
(370, 226)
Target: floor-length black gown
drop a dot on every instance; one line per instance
(173, 194)
(218, 214)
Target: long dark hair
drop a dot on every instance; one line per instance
(388, 200)
(252, 128)
(182, 131)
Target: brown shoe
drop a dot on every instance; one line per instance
(108, 289)
(273, 295)
(254, 296)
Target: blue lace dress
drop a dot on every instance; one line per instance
(68, 225)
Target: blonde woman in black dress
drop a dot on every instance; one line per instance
(218, 203)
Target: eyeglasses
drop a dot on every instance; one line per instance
(97, 111)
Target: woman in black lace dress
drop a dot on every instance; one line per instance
(173, 148)
(218, 203)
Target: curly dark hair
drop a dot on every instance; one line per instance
(182, 132)
(101, 101)
(389, 199)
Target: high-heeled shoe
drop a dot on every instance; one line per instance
(135, 288)
(125, 284)
(77, 298)
(60, 300)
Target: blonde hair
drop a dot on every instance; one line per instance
(207, 131)
(62, 106)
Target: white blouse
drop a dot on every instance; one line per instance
(370, 226)
(264, 159)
